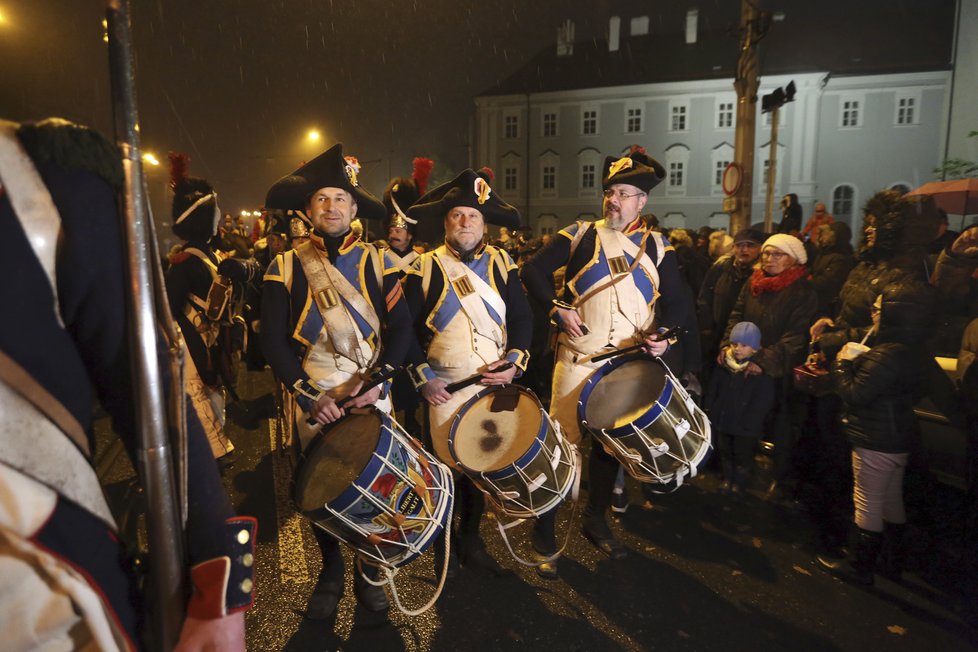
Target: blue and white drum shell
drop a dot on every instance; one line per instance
(367, 482)
(643, 416)
(503, 440)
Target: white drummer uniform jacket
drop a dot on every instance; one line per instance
(617, 314)
(327, 324)
(467, 315)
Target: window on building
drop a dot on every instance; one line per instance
(678, 113)
(509, 178)
(589, 122)
(549, 125)
(633, 120)
(725, 115)
(588, 176)
(851, 113)
(843, 200)
(718, 169)
(549, 177)
(677, 165)
(720, 158)
(511, 126)
(639, 26)
(906, 109)
(677, 170)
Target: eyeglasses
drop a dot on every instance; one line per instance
(776, 255)
(608, 194)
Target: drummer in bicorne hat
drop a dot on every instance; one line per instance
(470, 316)
(333, 314)
(607, 302)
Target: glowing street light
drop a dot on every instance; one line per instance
(149, 158)
(313, 136)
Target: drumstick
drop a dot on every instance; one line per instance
(472, 380)
(669, 334)
(377, 379)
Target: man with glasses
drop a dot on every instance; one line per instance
(720, 290)
(621, 285)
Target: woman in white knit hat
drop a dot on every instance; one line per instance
(780, 299)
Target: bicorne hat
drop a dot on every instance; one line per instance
(470, 189)
(332, 170)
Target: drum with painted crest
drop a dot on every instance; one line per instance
(504, 440)
(641, 414)
(367, 482)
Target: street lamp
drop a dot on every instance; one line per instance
(313, 136)
(150, 158)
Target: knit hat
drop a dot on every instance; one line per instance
(749, 235)
(790, 245)
(746, 333)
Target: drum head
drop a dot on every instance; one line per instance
(487, 440)
(335, 459)
(624, 394)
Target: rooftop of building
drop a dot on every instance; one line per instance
(860, 37)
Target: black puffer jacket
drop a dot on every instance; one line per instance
(717, 297)
(880, 387)
(904, 227)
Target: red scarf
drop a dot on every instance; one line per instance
(761, 282)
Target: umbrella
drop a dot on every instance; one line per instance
(958, 197)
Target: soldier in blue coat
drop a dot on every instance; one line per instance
(64, 576)
(333, 315)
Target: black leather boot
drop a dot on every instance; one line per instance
(372, 598)
(861, 564)
(894, 553)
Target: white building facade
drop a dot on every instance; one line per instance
(842, 139)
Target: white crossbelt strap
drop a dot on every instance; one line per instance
(403, 264)
(33, 445)
(615, 244)
(327, 286)
(31, 202)
(474, 293)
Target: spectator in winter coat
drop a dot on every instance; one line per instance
(720, 290)
(780, 299)
(820, 217)
(737, 404)
(833, 262)
(878, 389)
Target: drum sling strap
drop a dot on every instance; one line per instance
(473, 294)
(35, 423)
(330, 290)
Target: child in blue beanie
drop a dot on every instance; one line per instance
(737, 404)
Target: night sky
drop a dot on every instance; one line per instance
(237, 85)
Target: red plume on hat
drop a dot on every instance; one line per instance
(422, 170)
(179, 164)
(487, 172)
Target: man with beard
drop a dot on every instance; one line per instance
(622, 283)
(332, 315)
(471, 316)
(720, 290)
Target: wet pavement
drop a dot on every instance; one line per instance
(704, 571)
